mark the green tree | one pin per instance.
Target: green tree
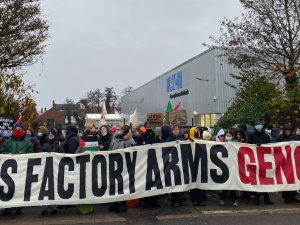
(110, 97)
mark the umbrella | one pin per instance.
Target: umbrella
(235, 126)
(249, 127)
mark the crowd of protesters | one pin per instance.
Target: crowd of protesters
(25, 140)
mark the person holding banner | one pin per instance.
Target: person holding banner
(4, 137)
(18, 144)
(198, 196)
(259, 137)
(232, 193)
(71, 143)
(122, 139)
(52, 144)
(42, 134)
(288, 196)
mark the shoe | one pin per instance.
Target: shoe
(235, 204)
(268, 202)
(6, 212)
(54, 211)
(45, 212)
(287, 200)
(122, 208)
(256, 201)
(293, 199)
(195, 203)
(222, 203)
(18, 212)
(203, 203)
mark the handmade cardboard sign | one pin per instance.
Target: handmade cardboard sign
(90, 122)
(177, 117)
(155, 119)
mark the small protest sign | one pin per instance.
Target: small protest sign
(155, 119)
(177, 117)
(90, 122)
(6, 125)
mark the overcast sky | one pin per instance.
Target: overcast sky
(116, 43)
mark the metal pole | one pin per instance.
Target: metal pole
(124, 120)
(192, 122)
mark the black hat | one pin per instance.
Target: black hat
(258, 122)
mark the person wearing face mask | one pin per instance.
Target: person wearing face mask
(30, 135)
(105, 138)
(4, 137)
(122, 139)
(228, 138)
(18, 144)
(259, 137)
(42, 135)
(198, 196)
(148, 137)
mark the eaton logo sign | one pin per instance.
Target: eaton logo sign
(174, 82)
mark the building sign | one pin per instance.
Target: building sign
(175, 95)
(174, 82)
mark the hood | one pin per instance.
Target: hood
(72, 130)
(206, 136)
(186, 132)
(44, 130)
(221, 133)
(158, 131)
(58, 127)
(192, 136)
(286, 127)
(275, 132)
(127, 135)
(166, 131)
(217, 130)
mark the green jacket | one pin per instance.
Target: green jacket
(22, 146)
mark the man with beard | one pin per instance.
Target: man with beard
(18, 144)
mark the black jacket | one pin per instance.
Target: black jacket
(52, 146)
(36, 145)
(175, 138)
(259, 137)
(59, 135)
(283, 137)
(105, 142)
(43, 139)
(71, 143)
(274, 134)
(147, 139)
(165, 133)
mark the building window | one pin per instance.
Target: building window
(202, 121)
(197, 119)
(213, 120)
(207, 120)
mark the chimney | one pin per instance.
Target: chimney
(45, 109)
(53, 104)
(42, 110)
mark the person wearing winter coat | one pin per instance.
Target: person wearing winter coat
(122, 139)
(220, 137)
(186, 135)
(274, 134)
(18, 144)
(198, 196)
(297, 132)
(158, 132)
(239, 135)
(134, 129)
(42, 134)
(71, 143)
(4, 137)
(105, 138)
(30, 135)
(165, 133)
(148, 137)
(59, 135)
(214, 138)
(288, 196)
(232, 193)
(176, 197)
(206, 136)
(52, 145)
(259, 137)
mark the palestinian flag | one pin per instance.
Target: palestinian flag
(89, 143)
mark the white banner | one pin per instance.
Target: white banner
(110, 176)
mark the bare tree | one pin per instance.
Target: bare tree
(267, 36)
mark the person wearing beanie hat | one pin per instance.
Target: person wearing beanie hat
(3, 138)
(18, 144)
(42, 134)
(206, 136)
(112, 131)
(30, 135)
(105, 138)
(186, 135)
